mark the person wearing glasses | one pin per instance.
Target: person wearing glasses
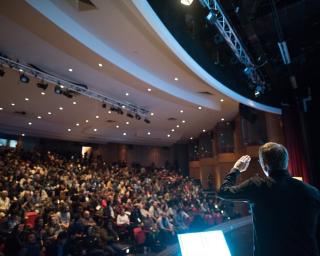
(286, 211)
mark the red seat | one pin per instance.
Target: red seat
(30, 218)
(139, 235)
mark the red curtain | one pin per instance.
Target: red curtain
(294, 143)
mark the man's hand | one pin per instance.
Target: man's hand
(243, 163)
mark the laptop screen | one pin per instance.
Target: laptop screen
(207, 243)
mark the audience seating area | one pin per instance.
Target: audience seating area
(51, 205)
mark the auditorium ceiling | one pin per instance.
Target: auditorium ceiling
(112, 48)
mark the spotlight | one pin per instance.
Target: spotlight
(68, 94)
(112, 108)
(186, 2)
(129, 115)
(104, 105)
(42, 85)
(2, 72)
(24, 79)
(259, 90)
(147, 121)
(138, 117)
(248, 71)
(57, 89)
(212, 16)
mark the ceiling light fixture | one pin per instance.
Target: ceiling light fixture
(191, 138)
(172, 130)
(203, 130)
(178, 126)
(1, 109)
(69, 130)
(151, 114)
(58, 89)
(183, 121)
(186, 2)
(199, 107)
(222, 119)
(181, 111)
(26, 99)
(222, 100)
(149, 90)
(29, 123)
(43, 93)
(13, 104)
(124, 134)
(39, 117)
(77, 124)
(74, 103)
(22, 134)
(168, 135)
(127, 94)
(70, 69)
(117, 126)
(24, 79)
(97, 117)
(87, 121)
(176, 79)
(127, 123)
(109, 112)
(60, 108)
(49, 113)
(149, 133)
(95, 129)
(42, 85)
(100, 65)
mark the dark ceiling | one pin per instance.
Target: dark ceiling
(254, 21)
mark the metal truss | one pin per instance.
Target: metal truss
(219, 19)
(71, 86)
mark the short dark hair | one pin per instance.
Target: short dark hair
(274, 155)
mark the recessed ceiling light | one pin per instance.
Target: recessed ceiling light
(176, 79)
(29, 123)
(70, 70)
(49, 113)
(149, 133)
(127, 94)
(127, 122)
(69, 130)
(12, 104)
(1, 109)
(21, 70)
(181, 111)
(77, 124)
(100, 65)
(183, 121)
(149, 90)
(43, 93)
(74, 103)
(222, 119)
(151, 114)
(87, 121)
(199, 107)
(117, 126)
(168, 135)
(123, 106)
(172, 130)
(178, 126)
(61, 86)
(22, 134)
(60, 108)
(95, 129)
(39, 117)
(97, 117)
(26, 99)
(204, 130)
(109, 112)
(222, 100)
(124, 134)
(191, 138)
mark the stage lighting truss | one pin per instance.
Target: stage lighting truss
(218, 18)
(81, 89)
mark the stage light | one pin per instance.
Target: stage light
(212, 16)
(104, 105)
(259, 90)
(186, 2)
(147, 121)
(24, 79)
(248, 71)
(2, 72)
(42, 85)
(57, 89)
(129, 115)
(138, 117)
(68, 94)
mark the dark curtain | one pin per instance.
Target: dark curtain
(294, 138)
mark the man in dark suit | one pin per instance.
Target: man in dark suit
(285, 210)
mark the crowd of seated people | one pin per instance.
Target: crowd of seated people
(50, 205)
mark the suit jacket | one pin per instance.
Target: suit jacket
(285, 212)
